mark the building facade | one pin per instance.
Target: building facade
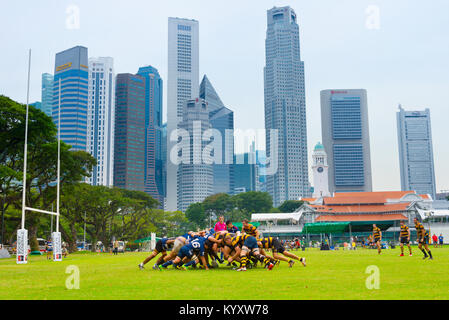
(345, 134)
(47, 93)
(416, 151)
(71, 69)
(245, 170)
(195, 176)
(285, 107)
(182, 85)
(129, 144)
(101, 119)
(154, 176)
(221, 119)
(320, 171)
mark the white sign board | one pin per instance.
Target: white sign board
(22, 246)
(56, 242)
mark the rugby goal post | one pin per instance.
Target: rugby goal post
(22, 234)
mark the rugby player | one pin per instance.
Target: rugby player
(404, 238)
(248, 228)
(377, 234)
(423, 239)
(178, 244)
(186, 254)
(275, 245)
(162, 246)
(247, 244)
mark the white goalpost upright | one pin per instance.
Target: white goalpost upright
(22, 234)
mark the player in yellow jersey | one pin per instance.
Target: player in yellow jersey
(248, 244)
(404, 238)
(377, 234)
(250, 229)
(275, 245)
(422, 238)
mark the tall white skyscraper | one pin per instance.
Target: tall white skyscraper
(195, 176)
(285, 107)
(100, 119)
(416, 151)
(182, 85)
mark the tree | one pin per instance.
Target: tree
(196, 214)
(290, 205)
(218, 204)
(41, 164)
(253, 201)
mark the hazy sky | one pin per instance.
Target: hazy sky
(402, 57)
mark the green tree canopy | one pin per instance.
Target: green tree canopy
(196, 214)
(254, 201)
(290, 205)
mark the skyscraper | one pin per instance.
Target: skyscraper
(245, 170)
(101, 119)
(195, 175)
(129, 144)
(345, 133)
(47, 93)
(285, 106)
(221, 119)
(416, 151)
(182, 85)
(154, 176)
(71, 67)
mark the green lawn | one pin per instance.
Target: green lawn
(328, 275)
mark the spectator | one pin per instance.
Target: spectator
(435, 240)
(440, 238)
(115, 249)
(220, 225)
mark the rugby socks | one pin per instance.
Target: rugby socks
(168, 263)
(430, 254)
(160, 260)
(243, 261)
(424, 251)
(190, 263)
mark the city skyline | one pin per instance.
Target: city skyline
(392, 83)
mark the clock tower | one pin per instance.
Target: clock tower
(320, 172)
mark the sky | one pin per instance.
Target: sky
(397, 50)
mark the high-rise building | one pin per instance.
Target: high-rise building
(245, 170)
(71, 67)
(154, 175)
(261, 181)
(221, 119)
(129, 144)
(345, 134)
(182, 85)
(416, 151)
(195, 175)
(285, 107)
(101, 119)
(47, 94)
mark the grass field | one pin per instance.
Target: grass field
(328, 275)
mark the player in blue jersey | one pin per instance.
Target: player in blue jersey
(162, 245)
(194, 248)
(177, 245)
